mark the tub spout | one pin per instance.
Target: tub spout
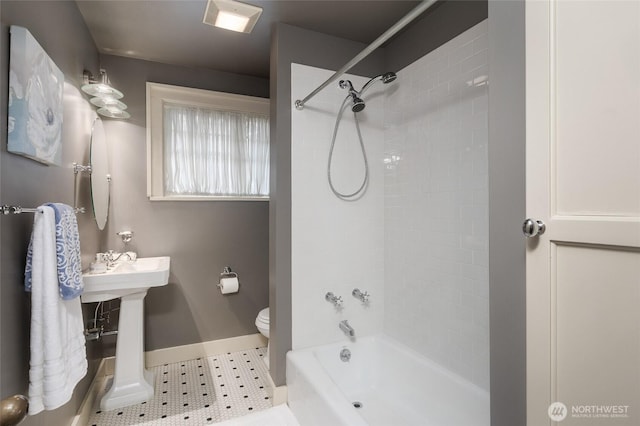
(347, 329)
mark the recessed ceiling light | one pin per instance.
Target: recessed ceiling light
(231, 21)
(232, 15)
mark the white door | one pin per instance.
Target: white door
(583, 182)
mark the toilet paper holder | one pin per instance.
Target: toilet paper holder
(228, 273)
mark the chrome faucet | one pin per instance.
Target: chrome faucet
(363, 296)
(126, 236)
(347, 329)
(111, 257)
(336, 300)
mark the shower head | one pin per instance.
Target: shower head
(357, 103)
(386, 77)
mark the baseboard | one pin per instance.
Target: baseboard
(82, 417)
(168, 356)
(196, 350)
(278, 394)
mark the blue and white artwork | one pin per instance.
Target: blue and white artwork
(36, 88)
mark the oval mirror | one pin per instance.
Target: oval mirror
(100, 178)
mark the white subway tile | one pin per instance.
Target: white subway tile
(480, 43)
(436, 207)
(461, 53)
(476, 61)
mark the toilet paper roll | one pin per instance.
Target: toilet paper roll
(229, 285)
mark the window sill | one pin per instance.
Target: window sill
(208, 198)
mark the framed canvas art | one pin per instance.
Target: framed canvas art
(36, 87)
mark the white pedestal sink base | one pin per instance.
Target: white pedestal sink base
(129, 281)
(124, 396)
(132, 383)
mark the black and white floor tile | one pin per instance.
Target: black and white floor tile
(197, 392)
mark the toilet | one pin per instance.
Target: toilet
(262, 323)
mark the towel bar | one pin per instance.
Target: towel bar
(5, 209)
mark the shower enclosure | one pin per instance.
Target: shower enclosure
(416, 240)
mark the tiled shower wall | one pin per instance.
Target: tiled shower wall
(436, 207)
(336, 245)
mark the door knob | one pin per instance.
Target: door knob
(13, 410)
(532, 228)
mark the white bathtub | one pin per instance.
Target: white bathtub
(394, 385)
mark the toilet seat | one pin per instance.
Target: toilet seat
(262, 322)
(263, 316)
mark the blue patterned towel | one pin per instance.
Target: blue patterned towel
(67, 253)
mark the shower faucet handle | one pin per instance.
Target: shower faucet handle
(336, 300)
(363, 296)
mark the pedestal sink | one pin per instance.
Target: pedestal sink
(132, 383)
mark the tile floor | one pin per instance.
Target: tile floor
(197, 392)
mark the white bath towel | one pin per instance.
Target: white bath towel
(58, 355)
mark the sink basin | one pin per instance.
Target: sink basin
(126, 278)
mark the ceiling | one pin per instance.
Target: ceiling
(172, 32)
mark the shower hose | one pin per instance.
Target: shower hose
(356, 195)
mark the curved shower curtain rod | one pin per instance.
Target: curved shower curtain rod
(417, 11)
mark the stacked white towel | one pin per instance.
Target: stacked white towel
(58, 355)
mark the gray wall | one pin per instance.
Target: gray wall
(60, 30)
(291, 44)
(201, 237)
(506, 212)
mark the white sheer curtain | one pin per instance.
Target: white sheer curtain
(209, 152)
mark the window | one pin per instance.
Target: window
(204, 145)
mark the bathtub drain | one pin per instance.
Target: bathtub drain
(357, 404)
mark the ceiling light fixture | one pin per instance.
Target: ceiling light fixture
(232, 15)
(231, 21)
(107, 102)
(99, 86)
(106, 98)
(113, 112)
